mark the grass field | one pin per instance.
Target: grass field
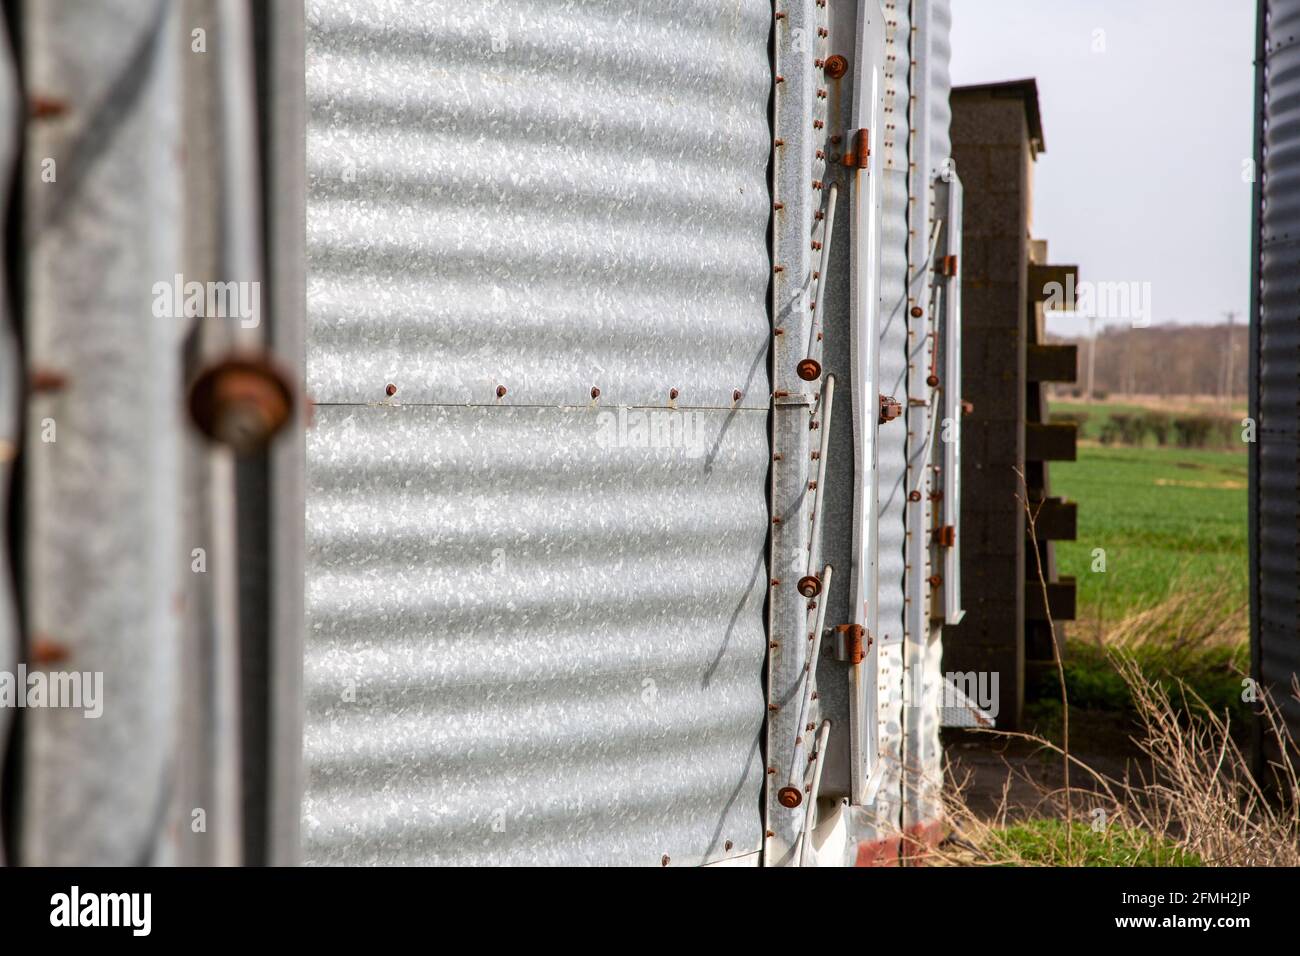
(1169, 520)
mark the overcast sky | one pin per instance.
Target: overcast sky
(1147, 115)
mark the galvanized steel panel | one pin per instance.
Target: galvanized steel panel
(529, 194)
(926, 218)
(528, 645)
(891, 445)
(535, 633)
(799, 173)
(104, 558)
(1278, 385)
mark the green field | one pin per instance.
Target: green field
(1170, 520)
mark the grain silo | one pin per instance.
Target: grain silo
(1275, 360)
(578, 488)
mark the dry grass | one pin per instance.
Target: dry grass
(1195, 799)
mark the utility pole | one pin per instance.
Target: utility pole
(1227, 360)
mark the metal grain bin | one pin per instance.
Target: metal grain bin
(1275, 360)
(537, 340)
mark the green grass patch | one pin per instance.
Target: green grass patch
(1044, 842)
(1169, 521)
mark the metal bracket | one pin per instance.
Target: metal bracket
(851, 643)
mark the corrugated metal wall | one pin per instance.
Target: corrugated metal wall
(891, 448)
(1276, 473)
(923, 649)
(536, 570)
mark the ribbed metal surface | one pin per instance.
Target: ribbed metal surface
(1278, 471)
(922, 757)
(796, 169)
(891, 444)
(528, 194)
(535, 633)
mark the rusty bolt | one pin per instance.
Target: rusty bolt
(932, 380)
(789, 797)
(809, 370)
(913, 495)
(46, 107)
(390, 390)
(810, 586)
(46, 380)
(501, 391)
(45, 650)
(595, 392)
(836, 66)
(240, 401)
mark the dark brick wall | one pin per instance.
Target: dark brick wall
(990, 145)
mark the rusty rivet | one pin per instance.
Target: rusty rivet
(46, 107)
(240, 401)
(769, 834)
(46, 380)
(501, 391)
(917, 312)
(595, 392)
(735, 395)
(390, 390)
(773, 708)
(45, 650)
(664, 860)
(673, 393)
(932, 381)
(778, 142)
(789, 797)
(934, 580)
(913, 496)
(836, 66)
(771, 771)
(728, 845)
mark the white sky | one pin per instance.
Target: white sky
(1142, 179)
